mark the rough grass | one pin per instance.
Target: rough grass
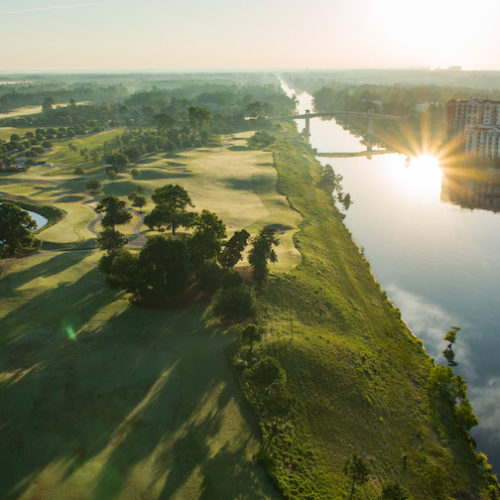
(358, 376)
(99, 399)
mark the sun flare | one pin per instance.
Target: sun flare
(424, 175)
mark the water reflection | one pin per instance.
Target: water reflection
(423, 175)
(470, 188)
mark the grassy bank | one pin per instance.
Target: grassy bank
(359, 379)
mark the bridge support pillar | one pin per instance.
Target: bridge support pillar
(307, 130)
(369, 134)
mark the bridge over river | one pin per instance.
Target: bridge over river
(332, 114)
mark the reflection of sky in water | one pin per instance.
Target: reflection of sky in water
(438, 262)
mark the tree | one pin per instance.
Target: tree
(358, 469)
(47, 104)
(93, 185)
(394, 491)
(235, 304)
(199, 117)
(139, 201)
(165, 268)
(163, 121)
(451, 334)
(451, 338)
(111, 240)
(252, 333)
(206, 241)
(277, 405)
(114, 211)
(117, 160)
(170, 210)
(266, 372)
(262, 251)
(233, 249)
(15, 230)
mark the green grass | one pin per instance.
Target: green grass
(65, 160)
(103, 400)
(358, 376)
(240, 186)
(6, 132)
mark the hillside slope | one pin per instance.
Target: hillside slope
(359, 378)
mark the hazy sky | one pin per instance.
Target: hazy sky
(211, 34)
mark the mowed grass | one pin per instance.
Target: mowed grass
(32, 110)
(103, 400)
(239, 185)
(66, 160)
(232, 181)
(6, 132)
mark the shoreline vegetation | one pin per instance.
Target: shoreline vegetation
(358, 381)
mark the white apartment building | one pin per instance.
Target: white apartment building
(478, 121)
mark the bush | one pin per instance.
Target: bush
(135, 173)
(78, 171)
(92, 185)
(235, 304)
(265, 372)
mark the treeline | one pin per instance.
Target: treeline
(229, 106)
(17, 96)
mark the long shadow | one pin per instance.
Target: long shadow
(91, 382)
(58, 263)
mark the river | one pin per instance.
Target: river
(438, 261)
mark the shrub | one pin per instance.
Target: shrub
(78, 171)
(235, 304)
(93, 185)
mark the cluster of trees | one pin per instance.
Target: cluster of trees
(16, 228)
(35, 94)
(332, 184)
(260, 140)
(451, 389)
(34, 143)
(167, 266)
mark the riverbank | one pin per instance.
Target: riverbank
(359, 379)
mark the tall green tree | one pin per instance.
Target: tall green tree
(262, 252)
(206, 242)
(15, 230)
(170, 210)
(115, 211)
(165, 267)
(233, 249)
(357, 469)
(394, 491)
(111, 240)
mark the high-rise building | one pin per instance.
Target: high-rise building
(477, 122)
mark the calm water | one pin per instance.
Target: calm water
(39, 219)
(439, 262)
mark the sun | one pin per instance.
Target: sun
(424, 174)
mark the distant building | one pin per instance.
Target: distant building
(477, 121)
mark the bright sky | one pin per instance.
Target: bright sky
(218, 34)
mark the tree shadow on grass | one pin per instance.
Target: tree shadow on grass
(100, 386)
(56, 264)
